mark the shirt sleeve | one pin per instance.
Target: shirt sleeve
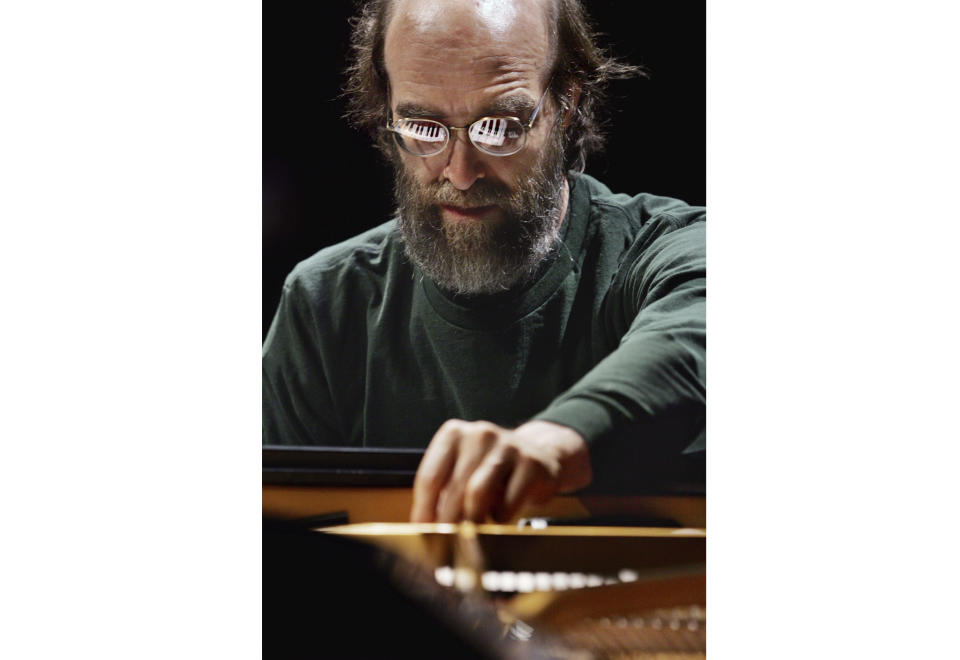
(651, 389)
(297, 405)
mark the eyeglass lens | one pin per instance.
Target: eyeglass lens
(499, 136)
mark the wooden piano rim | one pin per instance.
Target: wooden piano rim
(367, 505)
(490, 529)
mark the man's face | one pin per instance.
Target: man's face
(473, 222)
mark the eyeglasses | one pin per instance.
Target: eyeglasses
(497, 136)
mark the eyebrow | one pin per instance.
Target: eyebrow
(517, 105)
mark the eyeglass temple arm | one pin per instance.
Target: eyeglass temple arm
(536, 111)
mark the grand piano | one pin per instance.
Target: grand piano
(615, 571)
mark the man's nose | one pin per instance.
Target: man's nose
(464, 165)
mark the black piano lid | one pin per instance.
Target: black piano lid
(393, 467)
(340, 466)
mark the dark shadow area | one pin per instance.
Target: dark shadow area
(326, 596)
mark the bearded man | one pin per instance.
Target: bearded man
(516, 318)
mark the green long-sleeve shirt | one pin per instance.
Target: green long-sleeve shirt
(609, 339)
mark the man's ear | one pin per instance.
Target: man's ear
(570, 102)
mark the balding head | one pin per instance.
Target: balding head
(466, 22)
(495, 16)
(431, 43)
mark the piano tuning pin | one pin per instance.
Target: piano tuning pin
(543, 582)
(490, 581)
(627, 575)
(508, 581)
(444, 576)
(561, 581)
(525, 582)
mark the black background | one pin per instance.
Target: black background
(323, 182)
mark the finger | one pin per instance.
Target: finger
(433, 473)
(529, 480)
(450, 502)
(487, 486)
(476, 440)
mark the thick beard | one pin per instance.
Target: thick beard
(474, 258)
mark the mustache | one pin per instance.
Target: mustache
(481, 193)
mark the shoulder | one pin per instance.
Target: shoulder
(638, 213)
(628, 228)
(361, 261)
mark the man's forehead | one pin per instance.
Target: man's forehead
(458, 56)
(497, 16)
(498, 31)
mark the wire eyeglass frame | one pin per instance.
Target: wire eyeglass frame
(447, 130)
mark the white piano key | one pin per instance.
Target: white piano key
(489, 131)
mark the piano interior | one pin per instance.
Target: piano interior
(627, 579)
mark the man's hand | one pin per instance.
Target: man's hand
(472, 470)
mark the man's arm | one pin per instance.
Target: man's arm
(655, 380)
(656, 374)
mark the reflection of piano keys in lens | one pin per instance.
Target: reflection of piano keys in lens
(421, 130)
(491, 132)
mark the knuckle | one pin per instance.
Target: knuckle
(483, 429)
(488, 427)
(449, 426)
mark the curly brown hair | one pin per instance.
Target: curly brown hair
(579, 63)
